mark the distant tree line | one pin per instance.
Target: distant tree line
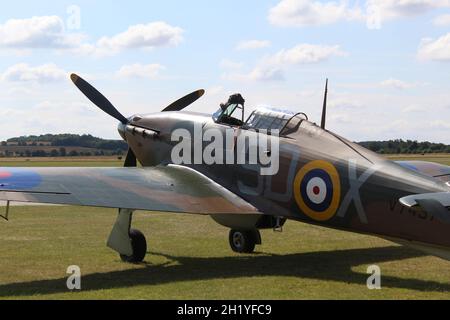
(62, 152)
(405, 147)
(103, 147)
(62, 145)
(71, 140)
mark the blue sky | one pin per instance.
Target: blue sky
(388, 62)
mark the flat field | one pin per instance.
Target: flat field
(189, 258)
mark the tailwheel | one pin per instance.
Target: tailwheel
(244, 241)
(139, 245)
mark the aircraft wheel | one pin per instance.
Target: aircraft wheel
(243, 241)
(139, 245)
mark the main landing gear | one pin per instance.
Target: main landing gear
(244, 241)
(129, 243)
(139, 247)
(132, 246)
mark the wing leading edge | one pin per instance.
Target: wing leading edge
(170, 189)
(431, 169)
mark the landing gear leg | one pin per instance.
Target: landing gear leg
(129, 243)
(244, 241)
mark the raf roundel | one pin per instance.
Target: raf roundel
(317, 190)
(18, 179)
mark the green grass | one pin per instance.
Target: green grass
(189, 258)
(439, 158)
(62, 162)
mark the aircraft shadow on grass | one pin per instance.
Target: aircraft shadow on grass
(326, 265)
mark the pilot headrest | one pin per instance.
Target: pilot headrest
(236, 99)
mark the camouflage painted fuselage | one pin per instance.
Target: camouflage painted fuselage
(362, 188)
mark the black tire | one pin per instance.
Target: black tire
(139, 245)
(243, 241)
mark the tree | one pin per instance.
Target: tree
(62, 152)
(39, 153)
(54, 153)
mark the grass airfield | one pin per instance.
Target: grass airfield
(189, 258)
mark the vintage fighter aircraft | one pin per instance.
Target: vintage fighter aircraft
(322, 179)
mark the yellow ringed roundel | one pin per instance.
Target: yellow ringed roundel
(317, 190)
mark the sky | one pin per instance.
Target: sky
(388, 62)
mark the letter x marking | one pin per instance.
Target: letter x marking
(353, 193)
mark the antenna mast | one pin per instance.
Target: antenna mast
(324, 111)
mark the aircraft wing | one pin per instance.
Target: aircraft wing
(437, 204)
(171, 188)
(431, 169)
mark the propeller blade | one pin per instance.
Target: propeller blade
(97, 98)
(130, 160)
(185, 101)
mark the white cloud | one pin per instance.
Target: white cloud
(48, 32)
(300, 13)
(379, 11)
(142, 36)
(340, 119)
(22, 72)
(403, 8)
(439, 124)
(414, 108)
(253, 44)
(140, 71)
(151, 35)
(271, 68)
(305, 54)
(442, 20)
(52, 109)
(438, 50)
(266, 74)
(36, 32)
(396, 84)
(260, 73)
(344, 103)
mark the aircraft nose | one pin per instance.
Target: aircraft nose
(122, 128)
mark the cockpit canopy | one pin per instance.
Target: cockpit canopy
(264, 118)
(268, 119)
(271, 119)
(227, 115)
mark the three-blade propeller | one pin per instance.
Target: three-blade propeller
(104, 104)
